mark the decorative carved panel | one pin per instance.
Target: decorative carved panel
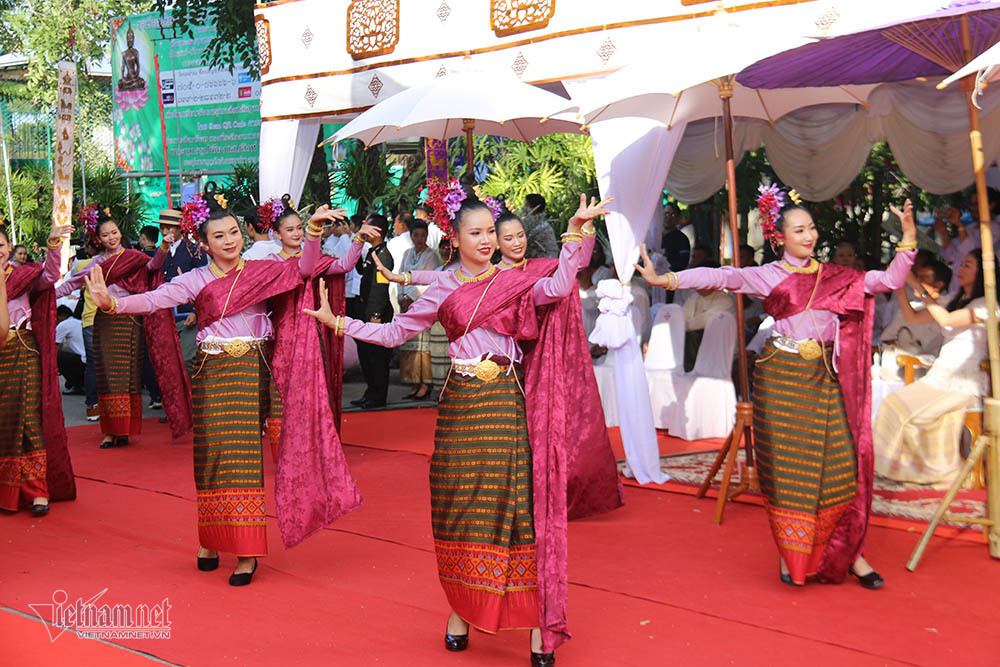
(372, 28)
(509, 17)
(263, 27)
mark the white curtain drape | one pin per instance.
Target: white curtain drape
(818, 150)
(632, 157)
(286, 150)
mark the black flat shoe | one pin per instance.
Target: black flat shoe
(358, 401)
(542, 659)
(208, 564)
(786, 578)
(121, 441)
(108, 444)
(873, 580)
(40, 510)
(456, 642)
(243, 578)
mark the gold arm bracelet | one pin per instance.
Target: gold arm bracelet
(407, 279)
(113, 309)
(588, 233)
(906, 247)
(54, 244)
(571, 237)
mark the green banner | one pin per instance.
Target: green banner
(210, 117)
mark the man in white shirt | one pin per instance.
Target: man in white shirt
(72, 356)
(263, 245)
(397, 247)
(338, 242)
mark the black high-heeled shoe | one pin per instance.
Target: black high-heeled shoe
(108, 444)
(872, 581)
(456, 642)
(243, 578)
(543, 659)
(40, 510)
(208, 564)
(121, 441)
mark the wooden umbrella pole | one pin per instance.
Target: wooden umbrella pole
(744, 409)
(468, 124)
(989, 283)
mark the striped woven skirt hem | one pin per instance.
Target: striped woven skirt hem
(806, 461)
(23, 461)
(118, 346)
(481, 504)
(230, 397)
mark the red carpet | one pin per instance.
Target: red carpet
(651, 584)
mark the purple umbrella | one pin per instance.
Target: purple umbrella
(929, 45)
(932, 45)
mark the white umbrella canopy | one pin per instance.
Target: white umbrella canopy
(986, 66)
(497, 105)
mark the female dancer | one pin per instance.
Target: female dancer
(812, 428)
(119, 339)
(591, 458)
(282, 218)
(312, 484)
(917, 428)
(34, 462)
(498, 505)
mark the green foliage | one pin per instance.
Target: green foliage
(558, 166)
(404, 196)
(243, 188)
(107, 189)
(235, 42)
(365, 175)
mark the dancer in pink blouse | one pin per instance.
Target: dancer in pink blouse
(812, 391)
(498, 505)
(313, 486)
(34, 462)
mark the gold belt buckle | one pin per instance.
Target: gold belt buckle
(236, 348)
(11, 335)
(810, 350)
(487, 370)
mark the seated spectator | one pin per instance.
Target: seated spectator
(954, 251)
(703, 255)
(71, 357)
(917, 428)
(675, 243)
(920, 338)
(698, 310)
(844, 254)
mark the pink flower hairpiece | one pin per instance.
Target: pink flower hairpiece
(193, 216)
(270, 211)
(770, 202)
(88, 220)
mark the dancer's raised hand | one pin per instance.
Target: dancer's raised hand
(386, 273)
(97, 288)
(586, 213)
(906, 221)
(646, 270)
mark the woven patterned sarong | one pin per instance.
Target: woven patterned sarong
(274, 417)
(805, 455)
(118, 345)
(437, 342)
(481, 504)
(22, 450)
(230, 399)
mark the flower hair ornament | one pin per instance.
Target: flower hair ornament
(270, 211)
(446, 197)
(88, 220)
(193, 216)
(770, 201)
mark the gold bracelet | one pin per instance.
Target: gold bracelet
(672, 281)
(591, 232)
(572, 237)
(113, 309)
(407, 279)
(357, 238)
(906, 247)
(338, 325)
(54, 244)
(313, 231)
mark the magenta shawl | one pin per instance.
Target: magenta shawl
(59, 468)
(573, 415)
(508, 308)
(841, 290)
(128, 270)
(313, 486)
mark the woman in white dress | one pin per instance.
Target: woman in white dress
(917, 428)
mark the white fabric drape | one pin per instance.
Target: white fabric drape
(632, 157)
(286, 150)
(818, 150)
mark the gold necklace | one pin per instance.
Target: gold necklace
(219, 273)
(462, 278)
(284, 254)
(515, 265)
(811, 267)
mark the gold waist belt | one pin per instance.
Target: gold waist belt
(233, 348)
(11, 334)
(807, 349)
(485, 370)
